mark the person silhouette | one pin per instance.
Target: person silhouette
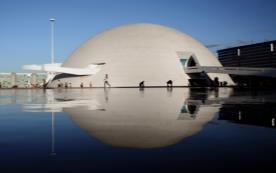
(170, 83)
(141, 84)
(216, 82)
(106, 83)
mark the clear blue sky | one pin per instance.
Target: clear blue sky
(25, 27)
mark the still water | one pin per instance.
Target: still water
(132, 130)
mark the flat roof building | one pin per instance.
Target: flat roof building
(252, 55)
(259, 57)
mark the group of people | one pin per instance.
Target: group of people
(217, 83)
(169, 84)
(141, 84)
(107, 84)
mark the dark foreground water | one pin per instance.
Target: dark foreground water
(129, 130)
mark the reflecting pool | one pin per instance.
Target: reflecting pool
(132, 130)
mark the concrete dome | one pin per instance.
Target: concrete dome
(139, 52)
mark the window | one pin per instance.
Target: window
(271, 47)
(184, 110)
(183, 61)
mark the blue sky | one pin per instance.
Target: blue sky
(25, 27)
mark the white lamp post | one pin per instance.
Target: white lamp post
(52, 20)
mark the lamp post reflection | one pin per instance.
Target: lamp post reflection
(53, 135)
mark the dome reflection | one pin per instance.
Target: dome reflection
(142, 119)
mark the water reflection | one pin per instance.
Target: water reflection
(261, 114)
(246, 107)
(150, 118)
(147, 119)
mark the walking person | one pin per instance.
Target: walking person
(106, 83)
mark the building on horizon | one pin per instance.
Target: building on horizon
(258, 55)
(22, 80)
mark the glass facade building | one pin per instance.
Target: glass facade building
(258, 55)
(254, 55)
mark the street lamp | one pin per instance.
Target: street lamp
(52, 20)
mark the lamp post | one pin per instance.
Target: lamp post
(52, 20)
(51, 75)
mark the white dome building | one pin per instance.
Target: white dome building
(133, 53)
